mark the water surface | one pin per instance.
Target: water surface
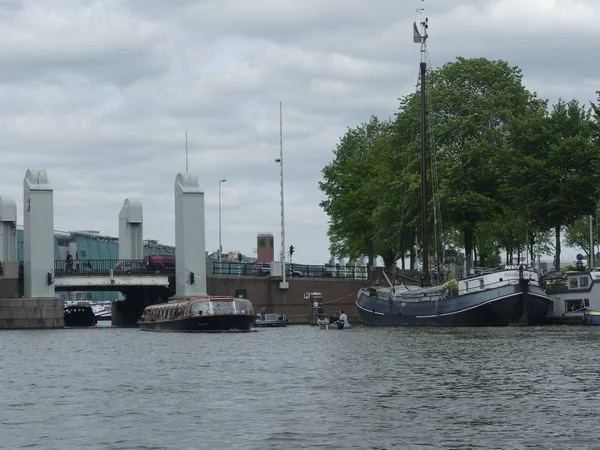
(300, 387)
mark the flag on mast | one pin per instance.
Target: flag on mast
(416, 34)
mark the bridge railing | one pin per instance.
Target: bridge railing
(104, 266)
(230, 268)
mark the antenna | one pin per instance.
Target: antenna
(186, 154)
(422, 33)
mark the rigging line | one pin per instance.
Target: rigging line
(340, 298)
(438, 226)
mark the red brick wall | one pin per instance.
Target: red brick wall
(264, 292)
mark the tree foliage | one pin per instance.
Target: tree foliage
(505, 171)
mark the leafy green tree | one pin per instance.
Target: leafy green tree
(556, 172)
(578, 236)
(350, 198)
(473, 101)
(397, 185)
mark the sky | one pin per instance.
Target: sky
(100, 94)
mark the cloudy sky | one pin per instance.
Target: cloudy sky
(100, 93)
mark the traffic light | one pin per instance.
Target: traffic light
(240, 257)
(192, 278)
(291, 250)
(50, 278)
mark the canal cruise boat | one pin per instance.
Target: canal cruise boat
(206, 313)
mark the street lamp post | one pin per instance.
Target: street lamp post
(220, 247)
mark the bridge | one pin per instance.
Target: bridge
(52, 262)
(117, 274)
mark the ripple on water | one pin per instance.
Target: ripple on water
(300, 387)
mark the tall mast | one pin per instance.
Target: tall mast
(420, 36)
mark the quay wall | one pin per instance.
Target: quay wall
(36, 312)
(264, 292)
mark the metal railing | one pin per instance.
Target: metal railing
(228, 268)
(104, 266)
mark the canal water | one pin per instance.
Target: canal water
(301, 388)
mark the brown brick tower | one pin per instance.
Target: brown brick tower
(264, 245)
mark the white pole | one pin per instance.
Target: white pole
(220, 247)
(282, 255)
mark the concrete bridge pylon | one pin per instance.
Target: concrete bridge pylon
(131, 232)
(190, 247)
(8, 229)
(38, 235)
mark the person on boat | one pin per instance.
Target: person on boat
(334, 318)
(344, 318)
(262, 313)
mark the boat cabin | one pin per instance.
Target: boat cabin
(201, 306)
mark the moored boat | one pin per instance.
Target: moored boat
(79, 314)
(325, 324)
(102, 311)
(510, 295)
(205, 313)
(271, 320)
(572, 293)
(591, 317)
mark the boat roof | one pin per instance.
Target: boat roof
(177, 301)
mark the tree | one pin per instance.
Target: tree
(558, 167)
(396, 186)
(350, 199)
(578, 236)
(473, 101)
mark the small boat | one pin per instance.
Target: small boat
(102, 311)
(206, 313)
(79, 314)
(591, 317)
(271, 320)
(324, 324)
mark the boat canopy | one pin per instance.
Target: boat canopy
(198, 306)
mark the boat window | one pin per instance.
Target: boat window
(573, 283)
(222, 306)
(575, 304)
(199, 306)
(243, 306)
(583, 282)
(271, 317)
(481, 283)
(586, 302)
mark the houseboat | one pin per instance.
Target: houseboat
(206, 313)
(572, 293)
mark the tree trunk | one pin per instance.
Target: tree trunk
(412, 258)
(468, 231)
(530, 247)
(403, 253)
(370, 252)
(518, 255)
(557, 246)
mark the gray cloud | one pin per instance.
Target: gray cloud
(100, 94)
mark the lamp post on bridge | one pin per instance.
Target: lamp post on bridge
(220, 247)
